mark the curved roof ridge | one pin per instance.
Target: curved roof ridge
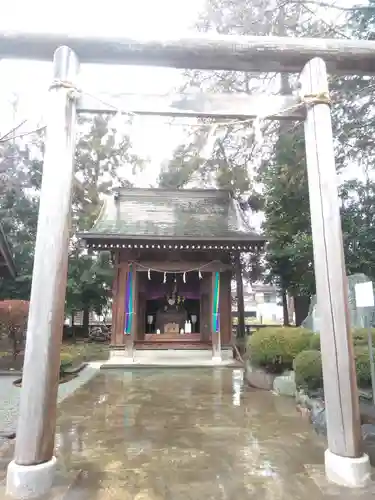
(210, 215)
(244, 225)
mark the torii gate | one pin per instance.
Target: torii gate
(31, 472)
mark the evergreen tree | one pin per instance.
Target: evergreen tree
(21, 174)
(99, 155)
(230, 157)
(358, 218)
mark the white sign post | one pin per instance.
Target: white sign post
(364, 298)
(364, 294)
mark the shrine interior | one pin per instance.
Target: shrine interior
(171, 300)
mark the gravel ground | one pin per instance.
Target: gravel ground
(10, 396)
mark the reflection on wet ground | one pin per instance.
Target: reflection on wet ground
(176, 434)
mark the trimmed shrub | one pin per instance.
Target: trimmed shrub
(360, 336)
(362, 366)
(13, 321)
(66, 361)
(315, 342)
(308, 369)
(274, 348)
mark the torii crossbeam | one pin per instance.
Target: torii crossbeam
(199, 51)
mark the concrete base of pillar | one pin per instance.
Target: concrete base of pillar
(119, 357)
(30, 481)
(216, 359)
(123, 353)
(345, 471)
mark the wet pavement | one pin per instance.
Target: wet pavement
(178, 434)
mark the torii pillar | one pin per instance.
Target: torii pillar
(31, 473)
(345, 462)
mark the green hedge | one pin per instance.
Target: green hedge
(363, 368)
(315, 342)
(359, 336)
(66, 361)
(274, 348)
(308, 368)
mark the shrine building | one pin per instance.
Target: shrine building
(173, 252)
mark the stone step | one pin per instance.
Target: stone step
(169, 357)
(180, 354)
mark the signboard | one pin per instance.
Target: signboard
(364, 297)
(364, 294)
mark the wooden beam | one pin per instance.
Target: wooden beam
(340, 388)
(37, 417)
(100, 242)
(200, 105)
(198, 51)
(180, 267)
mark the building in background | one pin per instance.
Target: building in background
(263, 304)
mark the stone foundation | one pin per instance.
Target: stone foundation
(30, 481)
(258, 378)
(346, 471)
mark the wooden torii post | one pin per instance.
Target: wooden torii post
(31, 471)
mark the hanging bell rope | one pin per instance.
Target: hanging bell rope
(149, 274)
(165, 277)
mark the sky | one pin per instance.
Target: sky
(152, 137)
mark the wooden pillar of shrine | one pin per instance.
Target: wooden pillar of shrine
(215, 317)
(118, 304)
(115, 301)
(205, 308)
(130, 306)
(124, 308)
(225, 308)
(141, 314)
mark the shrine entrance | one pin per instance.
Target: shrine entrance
(171, 304)
(173, 309)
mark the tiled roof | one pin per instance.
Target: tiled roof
(172, 214)
(7, 267)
